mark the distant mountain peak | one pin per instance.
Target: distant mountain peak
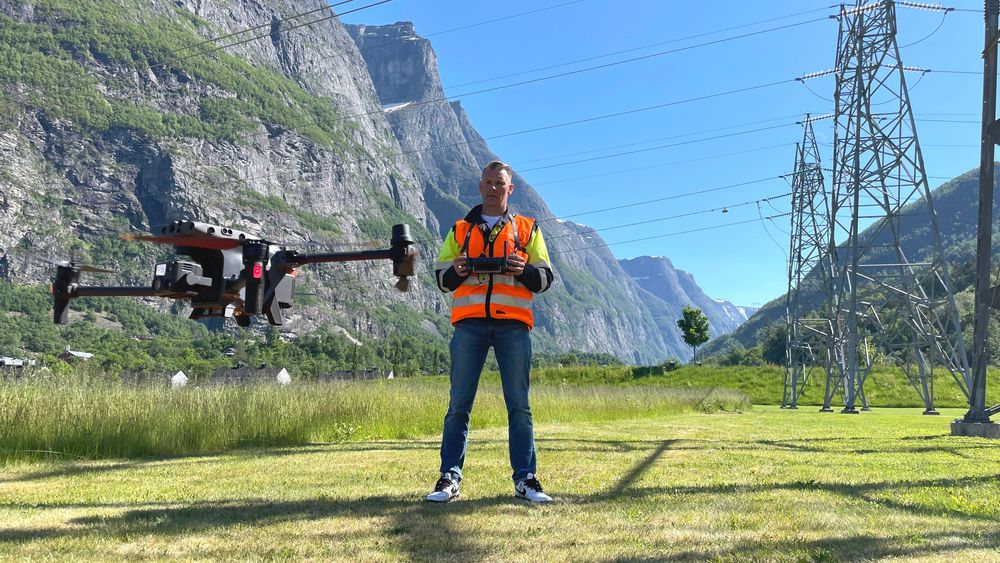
(678, 289)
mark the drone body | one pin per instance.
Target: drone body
(230, 273)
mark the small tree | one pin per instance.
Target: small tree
(694, 328)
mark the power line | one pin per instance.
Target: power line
(662, 164)
(723, 209)
(677, 233)
(658, 139)
(256, 37)
(666, 198)
(622, 52)
(658, 147)
(929, 35)
(596, 67)
(495, 20)
(471, 25)
(255, 28)
(630, 112)
(569, 123)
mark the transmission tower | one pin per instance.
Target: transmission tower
(886, 301)
(807, 335)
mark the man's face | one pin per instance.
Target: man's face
(495, 187)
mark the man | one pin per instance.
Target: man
(492, 309)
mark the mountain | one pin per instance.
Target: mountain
(956, 206)
(117, 117)
(678, 289)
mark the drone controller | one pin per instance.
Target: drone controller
(487, 265)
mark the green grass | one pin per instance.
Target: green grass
(108, 420)
(886, 387)
(764, 485)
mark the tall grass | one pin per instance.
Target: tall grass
(98, 420)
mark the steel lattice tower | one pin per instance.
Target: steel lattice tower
(885, 301)
(807, 338)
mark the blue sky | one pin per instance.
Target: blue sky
(744, 262)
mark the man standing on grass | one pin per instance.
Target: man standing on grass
(492, 307)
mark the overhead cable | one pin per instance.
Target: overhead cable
(721, 208)
(677, 233)
(262, 36)
(658, 139)
(658, 147)
(591, 68)
(255, 28)
(633, 49)
(661, 165)
(665, 198)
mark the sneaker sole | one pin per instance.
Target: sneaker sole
(523, 497)
(449, 499)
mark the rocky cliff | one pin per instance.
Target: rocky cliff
(119, 128)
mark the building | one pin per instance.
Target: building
(71, 355)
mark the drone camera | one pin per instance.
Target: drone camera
(180, 276)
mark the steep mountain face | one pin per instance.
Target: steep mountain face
(678, 289)
(595, 306)
(116, 130)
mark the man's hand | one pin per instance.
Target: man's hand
(461, 265)
(515, 264)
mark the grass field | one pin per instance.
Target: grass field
(760, 485)
(45, 418)
(887, 386)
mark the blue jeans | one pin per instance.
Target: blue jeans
(512, 347)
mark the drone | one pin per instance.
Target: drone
(230, 273)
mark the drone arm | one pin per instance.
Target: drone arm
(62, 295)
(301, 259)
(403, 254)
(114, 291)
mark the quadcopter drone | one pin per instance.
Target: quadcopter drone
(230, 274)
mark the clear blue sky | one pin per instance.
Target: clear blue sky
(744, 263)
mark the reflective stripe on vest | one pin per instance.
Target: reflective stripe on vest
(494, 296)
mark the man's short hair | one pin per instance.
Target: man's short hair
(499, 165)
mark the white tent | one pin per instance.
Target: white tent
(178, 380)
(283, 378)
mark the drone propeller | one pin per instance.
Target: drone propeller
(80, 267)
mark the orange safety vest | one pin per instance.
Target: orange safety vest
(493, 296)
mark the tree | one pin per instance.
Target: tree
(774, 343)
(694, 328)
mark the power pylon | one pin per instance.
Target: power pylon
(810, 275)
(885, 301)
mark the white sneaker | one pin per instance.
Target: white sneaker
(446, 488)
(531, 489)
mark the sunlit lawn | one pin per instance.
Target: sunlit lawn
(762, 485)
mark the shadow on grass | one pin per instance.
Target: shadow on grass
(423, 530)
(848, 548)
